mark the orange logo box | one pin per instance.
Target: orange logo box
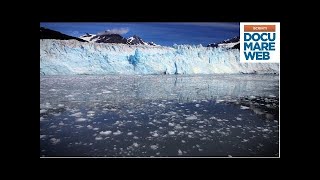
(259, 28)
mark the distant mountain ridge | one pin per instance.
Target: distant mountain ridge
(51, 34)
(233, 43)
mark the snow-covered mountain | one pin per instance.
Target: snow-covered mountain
(87, 37)
(233, 43)
(134, 40)
(115, 38)
(58, 57)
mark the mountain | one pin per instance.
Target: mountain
(134, 40)
(73, 57)
(51, 34)
(87, 36)
(233, 43)
(109, 38)
(115, 38)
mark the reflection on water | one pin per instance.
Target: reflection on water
(204, 115)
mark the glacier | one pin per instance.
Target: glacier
(71, 57)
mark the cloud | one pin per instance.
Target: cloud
(115, 31)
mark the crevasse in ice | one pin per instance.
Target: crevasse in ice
(62, 57)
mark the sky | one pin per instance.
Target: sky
(161, 33)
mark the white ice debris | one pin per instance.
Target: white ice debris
(89, 127)
(61, 123)
(245, 140)
(129, 133)
(179, 152)
(244, 107)
(135, 144)
(192, 117)
(54, 141)
(155, 134)
(171, 132)
(197, 105)
(105, 133)
(238, 118)
(81, 119)
(78, 114)
(60, 105)
(95, 129)
(117, 132)
(42, 136)
(98, 138)
(154, 147)
(171, 124)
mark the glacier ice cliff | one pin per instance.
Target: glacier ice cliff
(64, 57)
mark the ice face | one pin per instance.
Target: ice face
(152, 115)
(60, 57)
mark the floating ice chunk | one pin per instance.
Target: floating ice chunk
(179, 152)
(178, 126)
(81, 119)
(244, 107)
(106, 92)
(272, 96)
(61, 123)
(245, 140)
(171, 132)
(229, 155)
(171, 124)
(192, 117)
(78, 114)
(162, 105)
(154, 147)
(42, 136)
(265, 130)
(117, 132)
(98, 138)
(197, 131)
(189, 136)
(41, 118)
(155, 134)
(183, 141)
(200, 126)
(60, 105)
(89, 127)
(54, 141)
(135, 137)
(252, 97)
(197, 105)
(130, 134)
(213, 131)
(43, 111)
(53, 126)
(135, 144)
(239, 118)
(90, 112)
(95, 129)
(219, 101)
(105, 133)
